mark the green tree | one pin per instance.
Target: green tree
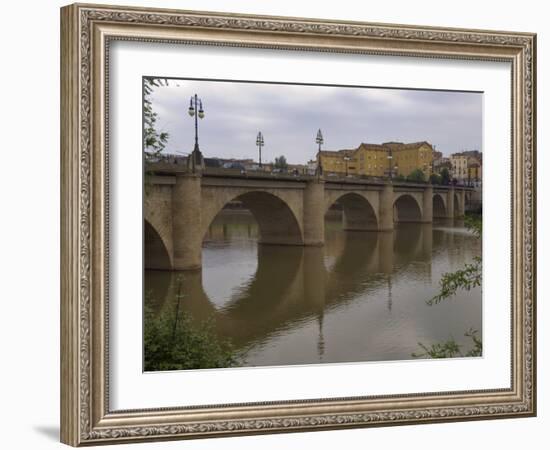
(445, 176)
(154, 141)
(416, 176)
(399, 178)
(280, 163)
(173, 340)
(435, 178)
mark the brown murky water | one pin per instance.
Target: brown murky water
(361, 297)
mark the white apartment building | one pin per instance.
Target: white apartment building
(459, 165)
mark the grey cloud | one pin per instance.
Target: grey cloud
(290, 115)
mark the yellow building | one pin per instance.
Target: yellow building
(340, 162)
(474, 169)
(378, 159)
(372, 160)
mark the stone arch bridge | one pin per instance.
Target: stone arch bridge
(180, 206)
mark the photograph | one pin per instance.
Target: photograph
(299, 224)
(278, 222)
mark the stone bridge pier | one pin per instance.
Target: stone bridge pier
(179, 208)
(187, 234)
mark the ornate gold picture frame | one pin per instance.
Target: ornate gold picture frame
(87, 32)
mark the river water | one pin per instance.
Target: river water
(361, 297)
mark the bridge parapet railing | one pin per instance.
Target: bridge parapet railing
(171, 168)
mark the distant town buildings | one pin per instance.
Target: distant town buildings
(376, 160)
(379, 160)
(463, 167)
(440, 163)
(467, 167)
(242, 164)
(459, 165)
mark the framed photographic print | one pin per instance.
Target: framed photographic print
(276, 224)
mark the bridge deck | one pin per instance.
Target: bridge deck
(167, 169)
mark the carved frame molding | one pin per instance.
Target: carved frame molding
(86, 32)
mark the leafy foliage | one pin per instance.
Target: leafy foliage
(174, 341)
(478, 346)
(466, 278)
(445, 177)
(450, 348)
(154, 141)
(474, 224)
(280, 162)
(416, 176)
(435, 178)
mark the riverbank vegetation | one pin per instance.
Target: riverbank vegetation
(173, 340)
(466, 278)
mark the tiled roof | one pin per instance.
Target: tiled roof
(330, 153)
(400, 145)
(344, 152)
(368, 146)
(394, 146)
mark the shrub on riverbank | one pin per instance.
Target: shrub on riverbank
(174, 341)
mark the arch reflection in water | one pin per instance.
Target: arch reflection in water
(361, 297)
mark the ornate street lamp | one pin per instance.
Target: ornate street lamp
(196, 110)
(346, 158)
(319, 140)
(260, 143)
(390, 157)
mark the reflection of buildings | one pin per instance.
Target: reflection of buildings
(378, 159)
(231, 226)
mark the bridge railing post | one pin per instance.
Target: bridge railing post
(186, 218)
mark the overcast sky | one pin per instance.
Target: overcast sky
(290, 115)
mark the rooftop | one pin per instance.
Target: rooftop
(385, 146)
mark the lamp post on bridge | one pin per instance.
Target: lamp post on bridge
(390, 168)
(196, 110)
(346, 159)
(260, 143)
(319, 140)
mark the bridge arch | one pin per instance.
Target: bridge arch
(158, 228)
(358, 212)
(439, 207)
(156, 253)
(277, 220)
(407, 209)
